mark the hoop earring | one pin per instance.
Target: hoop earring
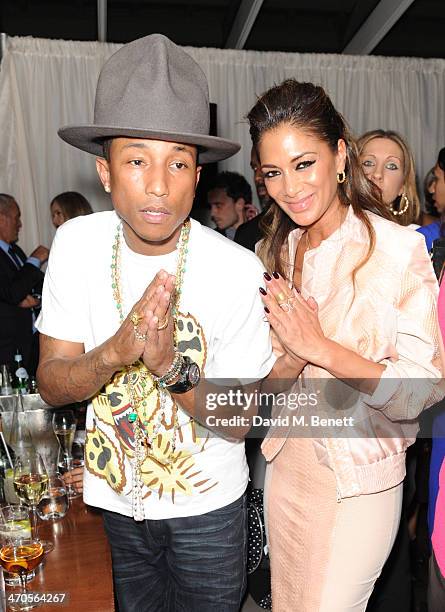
(404, 205)
(341, 177)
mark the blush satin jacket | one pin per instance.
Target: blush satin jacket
(389, 315)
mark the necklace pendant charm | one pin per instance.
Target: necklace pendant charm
(132, 417)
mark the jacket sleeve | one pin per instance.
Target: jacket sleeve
(413, 381)
(14, 291)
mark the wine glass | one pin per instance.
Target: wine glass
(14, 525)
(30, 482)
(64, 426)
(20, 557)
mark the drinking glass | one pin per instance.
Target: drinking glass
(64, 426)
(54, 503)
(14, 525)
(30, 482)
(20, 557)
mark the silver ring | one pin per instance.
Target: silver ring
(287, 305)
(139, 336)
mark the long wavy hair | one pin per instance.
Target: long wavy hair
(307, 107)
(409, 174)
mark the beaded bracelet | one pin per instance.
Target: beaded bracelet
(172, 373)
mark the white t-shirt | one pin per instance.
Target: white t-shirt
(221, 328)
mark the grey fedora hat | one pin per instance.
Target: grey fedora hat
(151, 88)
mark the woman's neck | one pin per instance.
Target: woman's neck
(326, 225)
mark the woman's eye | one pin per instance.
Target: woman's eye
(367, 163)
(270, 174)
(304, 164)
(392, 166)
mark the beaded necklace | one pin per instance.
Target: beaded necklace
(143, 441)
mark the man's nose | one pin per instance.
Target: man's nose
(156, 183)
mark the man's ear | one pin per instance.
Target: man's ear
(198, 175)
(103, 170)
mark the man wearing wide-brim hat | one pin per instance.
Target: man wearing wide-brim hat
(150, 303)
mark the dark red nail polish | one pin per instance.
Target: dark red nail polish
(267, 276)
(297, 290)
(266, 310)
(276, 275)
(263, 291)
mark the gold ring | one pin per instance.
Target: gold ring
(163, 325)
(283, 299)
(136, 318)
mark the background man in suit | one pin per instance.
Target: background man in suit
(228, 200)
(20, 281)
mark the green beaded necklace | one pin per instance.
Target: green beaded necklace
(142, 440)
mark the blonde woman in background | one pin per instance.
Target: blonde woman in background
(389, 164)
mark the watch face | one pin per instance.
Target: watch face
(194, 374)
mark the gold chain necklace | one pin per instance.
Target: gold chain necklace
(143, 441)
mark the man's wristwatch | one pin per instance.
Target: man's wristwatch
(188, 377)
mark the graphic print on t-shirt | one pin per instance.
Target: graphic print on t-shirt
(105, 459)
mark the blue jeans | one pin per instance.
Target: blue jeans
(188, 564)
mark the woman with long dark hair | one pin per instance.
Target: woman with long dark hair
(351, 312)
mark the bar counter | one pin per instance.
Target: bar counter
(79, 565)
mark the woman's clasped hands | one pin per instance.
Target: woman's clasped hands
(294, 319)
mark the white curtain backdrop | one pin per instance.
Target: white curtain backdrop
(45, 84)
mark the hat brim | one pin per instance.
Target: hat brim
(90, 138)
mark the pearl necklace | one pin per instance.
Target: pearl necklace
(143, 441)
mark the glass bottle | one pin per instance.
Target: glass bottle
(21, 375)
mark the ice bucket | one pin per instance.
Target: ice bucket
(38, 416)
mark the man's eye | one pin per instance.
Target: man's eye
(179, 165)
(136, 162)
(304, 164)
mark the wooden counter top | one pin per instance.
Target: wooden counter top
(79, 565)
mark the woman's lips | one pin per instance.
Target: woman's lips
(300, 205)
